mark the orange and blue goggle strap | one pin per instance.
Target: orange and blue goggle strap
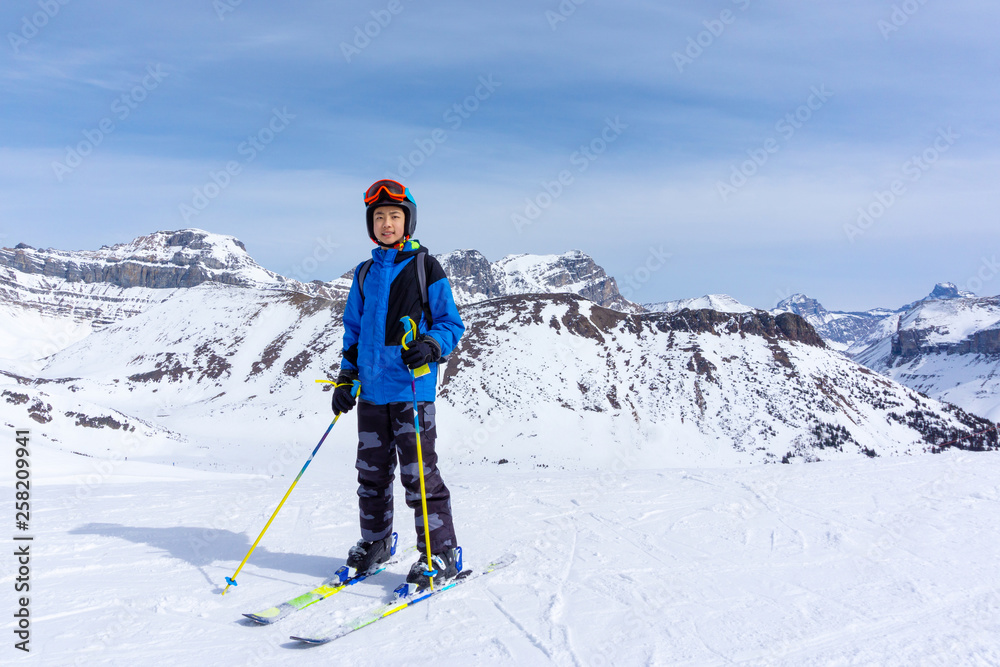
(393, 189)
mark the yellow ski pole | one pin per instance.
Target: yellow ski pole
(411, 330)
(231, 581)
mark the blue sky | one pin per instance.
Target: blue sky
(704, 147)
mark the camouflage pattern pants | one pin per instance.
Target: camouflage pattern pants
(385, 433)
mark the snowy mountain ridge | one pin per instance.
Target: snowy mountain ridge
(215, 373)
(948, 349)
(955, 324)
(848, 332)
(853, 331)
(215, 377)
(183, 258)
(941, 292)
(722, 303)
(944, 344)
(474, 278)
(51, 298)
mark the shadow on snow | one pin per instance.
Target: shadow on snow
(202, 547)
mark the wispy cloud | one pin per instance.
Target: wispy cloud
(355, 119)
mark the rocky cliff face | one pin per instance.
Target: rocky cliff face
(784, 326)
(948, 349)
(967, 326)
(848, 332)
(164, 260)
(474, 278)
(986, 341)
(52, 298)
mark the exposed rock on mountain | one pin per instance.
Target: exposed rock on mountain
(853, 332)
(848, 332)
(949, 349)
(163, 260)
(474, 278)
(211, 370)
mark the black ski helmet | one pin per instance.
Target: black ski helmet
(387, 192)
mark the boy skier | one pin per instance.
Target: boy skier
(401, 281)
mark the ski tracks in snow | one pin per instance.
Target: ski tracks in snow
(532, 637)
(559, 649)
(555, 613)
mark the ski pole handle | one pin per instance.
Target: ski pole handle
(410, 329)
(355, 392)
(355, 385)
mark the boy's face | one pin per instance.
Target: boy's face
(389, 223)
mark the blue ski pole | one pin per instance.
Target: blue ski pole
(231, 581)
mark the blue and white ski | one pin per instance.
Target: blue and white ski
(403, 598)
(338, 582)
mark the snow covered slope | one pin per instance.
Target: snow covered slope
(888, 562)
(948, 349)
(50, 299)
(219, 372)
(41, 314)
(228, 367)
(538, 380)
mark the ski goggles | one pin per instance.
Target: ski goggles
(393, 190)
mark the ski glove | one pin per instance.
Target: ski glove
(343, 401)
(423, 350)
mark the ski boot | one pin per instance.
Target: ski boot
(364, 557)
(447, 565)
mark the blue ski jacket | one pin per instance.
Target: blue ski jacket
(373, 332)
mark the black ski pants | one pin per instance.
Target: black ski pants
(385, 434)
